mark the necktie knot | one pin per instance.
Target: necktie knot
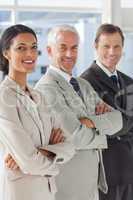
(75, 85)
(114, 79)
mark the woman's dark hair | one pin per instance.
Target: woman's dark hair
(109, 29)
(6, 40)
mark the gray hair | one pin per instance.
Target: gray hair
(52, 34)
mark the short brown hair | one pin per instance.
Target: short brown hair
(109, 29)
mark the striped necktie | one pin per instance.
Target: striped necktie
(75, 85)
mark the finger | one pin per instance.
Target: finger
(15, 167)
(104, 109)
(59, 132)
(7, 158)
(55, 138)
(10, 164)
(13, 164)
(53, 133)
(99, 109)
(107, 108)
(58, 137)
(62, 139)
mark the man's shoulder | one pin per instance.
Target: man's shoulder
(125, 77)
(84, 84)
(89, 72)
(47, 78)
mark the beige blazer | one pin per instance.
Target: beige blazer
(21, 132)
(79, 178)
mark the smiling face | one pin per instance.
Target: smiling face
(22, 54)
(109, 49)
(63, 52)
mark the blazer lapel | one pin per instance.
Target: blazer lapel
(32, 110)
(28, 104)
(100, 74)
(66, 89)
(123, 91)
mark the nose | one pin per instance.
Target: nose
(111, 51)
(31, 52)
(68, 53)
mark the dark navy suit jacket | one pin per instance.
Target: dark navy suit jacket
(118, 158)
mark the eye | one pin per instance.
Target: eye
(21, 48)
(117, 47)
(106, 46)
(35, 47)
(62, 48)
(75, 48)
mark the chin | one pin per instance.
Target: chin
(29, 69)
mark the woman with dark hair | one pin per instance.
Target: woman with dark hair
(26, 134)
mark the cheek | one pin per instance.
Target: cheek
(58, 56)
(102, 54)
(15, 62)
(76, 55)
(120, 53)
(35, 57)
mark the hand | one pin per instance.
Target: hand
(11, 163)
(87, 122)
(56, 136)
(102, 108)
(46, 153)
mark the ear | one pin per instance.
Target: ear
(49, 51)
(96, 45)
(6, 54)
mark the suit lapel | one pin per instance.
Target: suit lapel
(101, 75)
(55, 77)
(32, 110)
(65, 88)
(123, 90)
(103, 78)
(28, 104)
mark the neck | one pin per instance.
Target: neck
(19, 78)
(66, 71)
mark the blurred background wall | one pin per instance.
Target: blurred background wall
(85, 15)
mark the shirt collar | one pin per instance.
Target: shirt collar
(105, 69)
(66, 76)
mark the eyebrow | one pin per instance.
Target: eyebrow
(72, 46)
(25, 44)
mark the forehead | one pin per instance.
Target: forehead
(112, 38)
(67, 37)
(25, 38)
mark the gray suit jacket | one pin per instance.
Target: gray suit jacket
(21, 133)
(68, 107)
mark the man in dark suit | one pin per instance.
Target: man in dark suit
(116, 89)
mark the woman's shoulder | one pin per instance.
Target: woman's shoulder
(8, 99)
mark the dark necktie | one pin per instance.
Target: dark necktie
(114, 80)
(75, 85)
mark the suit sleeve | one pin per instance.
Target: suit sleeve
(127, 128)
(108, 123)
(18, 143)
(81, 136)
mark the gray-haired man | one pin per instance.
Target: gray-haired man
(78, 179)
